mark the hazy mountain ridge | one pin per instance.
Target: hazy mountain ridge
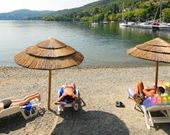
(24, 14)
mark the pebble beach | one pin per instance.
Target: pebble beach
(99, 89)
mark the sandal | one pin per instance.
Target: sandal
(119, 104)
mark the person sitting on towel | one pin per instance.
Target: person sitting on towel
(68, 94)
(6, 103)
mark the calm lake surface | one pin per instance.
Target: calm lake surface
(101, 45)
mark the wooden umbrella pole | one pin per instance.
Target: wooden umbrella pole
(49, 89)
(156, 76)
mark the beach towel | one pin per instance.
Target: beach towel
(131, 92)
(156, 101)
(28, 106)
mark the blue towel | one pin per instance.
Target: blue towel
(28, 106)
(61, 91)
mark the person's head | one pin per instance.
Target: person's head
(69, 98)
(160, 90)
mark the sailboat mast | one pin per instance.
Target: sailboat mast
(160, 11)
(122, 12)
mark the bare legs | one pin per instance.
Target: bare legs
(1, 106)
(72, 85)
(23, 101)
(140, 88)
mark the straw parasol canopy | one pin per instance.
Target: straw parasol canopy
(154, 50)
(49, 55)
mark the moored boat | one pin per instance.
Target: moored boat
(145, 25)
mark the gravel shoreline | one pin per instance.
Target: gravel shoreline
(99, 88)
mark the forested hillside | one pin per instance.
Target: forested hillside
(116, 10)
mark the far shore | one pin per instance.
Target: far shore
(100, 88)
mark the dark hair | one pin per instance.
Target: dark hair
(161, 90)
(69, 98)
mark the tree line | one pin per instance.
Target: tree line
(116, 10)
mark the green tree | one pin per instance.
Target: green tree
(110, 17)
(118, 17)
(96, 11)
(140, 15)
(166, 14)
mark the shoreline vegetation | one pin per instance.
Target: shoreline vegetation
(99, 88)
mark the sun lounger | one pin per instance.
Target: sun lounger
(156, 109)
(131, 92)
(63, 102)
(150, 119)
(28, 111)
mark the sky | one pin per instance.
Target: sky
(10, 5)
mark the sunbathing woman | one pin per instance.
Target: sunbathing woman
(18, 102)
(149, 92)
(143, 93)
(68, 94)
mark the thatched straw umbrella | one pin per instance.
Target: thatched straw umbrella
(154, 50)
(49, 55)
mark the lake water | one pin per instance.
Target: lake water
(101, 45)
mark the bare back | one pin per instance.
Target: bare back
(69, 91)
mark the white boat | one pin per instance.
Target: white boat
(161, 26)
(127, 24)
(104, 22)
(94, 24)
(157, 23)
(131, 24)
(154, 26)
(123, 24)
(145, 25)
(164, 26)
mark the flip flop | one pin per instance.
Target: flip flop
(119, 104)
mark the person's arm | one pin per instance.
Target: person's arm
(58, 100)
(150, 88)
(149, 93)
(77, 99)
